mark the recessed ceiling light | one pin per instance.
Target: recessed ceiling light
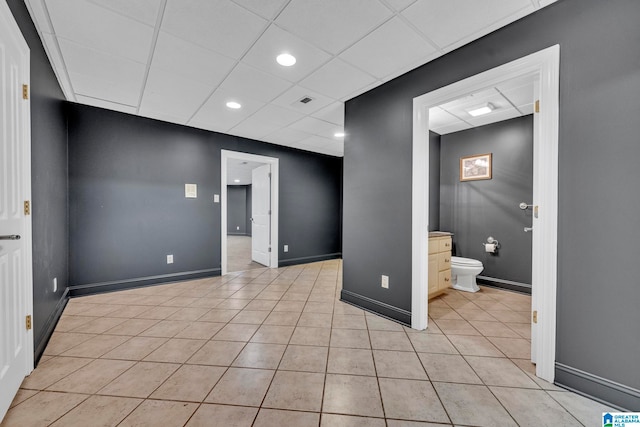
(339, 134)
(286, 60)
(234, 105)
(236, 180)
(480, 111)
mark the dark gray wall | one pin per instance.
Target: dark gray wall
(598, 292)
(475, 210)
(249, 211)
(128, 210)
(237, 209)
(49, 188)
(434, 181)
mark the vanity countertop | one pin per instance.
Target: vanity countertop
(439, 234)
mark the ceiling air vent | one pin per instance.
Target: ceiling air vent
(306, 99)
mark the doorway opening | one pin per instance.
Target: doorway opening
(544, 67)
(249, 235)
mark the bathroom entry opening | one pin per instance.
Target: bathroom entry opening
(544, 66)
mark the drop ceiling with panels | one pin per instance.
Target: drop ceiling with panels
(510, 99)
(181, 60)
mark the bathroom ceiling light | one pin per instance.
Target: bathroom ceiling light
(480, 111)
(339, 134)
(286, 59)
(234, 105)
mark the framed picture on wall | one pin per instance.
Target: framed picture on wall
(475, 167)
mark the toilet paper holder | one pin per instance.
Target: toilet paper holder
(492, 245)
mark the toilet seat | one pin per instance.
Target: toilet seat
(468, 262)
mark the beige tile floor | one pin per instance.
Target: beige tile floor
(278, 348)
(239, 254)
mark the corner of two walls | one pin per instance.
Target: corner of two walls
(475, 210)
(128, 210)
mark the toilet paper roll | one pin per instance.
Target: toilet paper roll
(490, 247)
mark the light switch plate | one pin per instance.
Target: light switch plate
(190, 191)
(169, 259)
(216, 198)
(286, 248)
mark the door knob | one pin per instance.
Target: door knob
(10, 237)
(528, 229)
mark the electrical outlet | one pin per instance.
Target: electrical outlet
(286, 248)
(55, 284)
(237, 227)
(216, 198)
(169, 259)
(385, 282)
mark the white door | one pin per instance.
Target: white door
(16, 342)
(261, 214)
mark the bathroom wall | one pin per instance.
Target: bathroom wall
(49, 185)
(474, 210)
(237, 209)
(434, 181)
(597, 342)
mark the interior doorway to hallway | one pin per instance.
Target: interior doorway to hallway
(249, 206)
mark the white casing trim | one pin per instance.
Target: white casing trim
(275, 185)
(545, 65)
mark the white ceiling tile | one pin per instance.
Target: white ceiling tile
(106, 104)
(323, 145)
(103, 76)
(101, 29)
(165, 116)
(265, 8)
(526, 109)
(316, 127)
(189, 60)
(399, 5)
(288, 136)
(390, 47)
(411, 66)
(454, 127)
(361, 90)
(249, 82)
(291, 99)
(219, 25)
(277, 115)
(495, 116)
(519, 96)
(333, 113)
(171, 94)
(254, 128)
(439, 117)
(215, 115)
(145, 11)
(58, 65)
(276, 41)
(454, 21)
(337, 79)
(332, 24)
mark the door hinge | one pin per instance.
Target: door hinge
(537, 107)
(27, 207)
(534, 316)
(269, 211)
(25, 91)
(28, 323)
(269, 248)
(269, 174)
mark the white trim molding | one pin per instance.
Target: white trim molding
(545, 67)
(275, 185)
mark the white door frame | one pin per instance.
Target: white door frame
(545, 65)
(8, 22)
(226, 154)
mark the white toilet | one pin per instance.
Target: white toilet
(464, 272)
